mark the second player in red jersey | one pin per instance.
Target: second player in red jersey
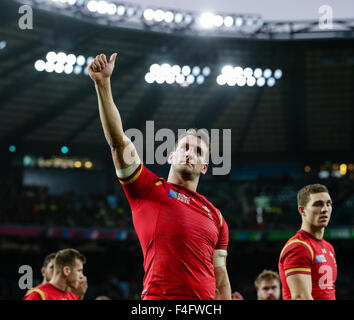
(68, 272)
(307, 263)
(183, 236)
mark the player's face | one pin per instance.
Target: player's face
(190, 156)
(269, 290)
(76, 274)
(48, 273)
(318, 210)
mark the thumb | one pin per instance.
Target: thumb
(113, 57)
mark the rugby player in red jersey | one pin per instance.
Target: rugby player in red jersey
(68, 272)
(307, 263)
(183, 236)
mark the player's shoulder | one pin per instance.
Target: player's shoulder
(298, 242)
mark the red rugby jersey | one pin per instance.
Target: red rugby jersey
(48, 292)
(178, 230)
(305, 254)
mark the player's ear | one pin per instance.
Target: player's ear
(43, 271)
(66, 270)
(301, 210)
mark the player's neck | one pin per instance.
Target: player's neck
(59, 282)
(315, 232)
(174, 177)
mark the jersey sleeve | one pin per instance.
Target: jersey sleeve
(296, 259)
(32, 296)
(223, 239)
(137, 185)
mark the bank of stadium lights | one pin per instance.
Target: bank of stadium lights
(182, 75)
(58, 162)
(208, 20)
(63, 63)
(171, 18)
(239, 76)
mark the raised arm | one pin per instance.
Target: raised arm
(300, 286)
(123, 150)
(223, 287)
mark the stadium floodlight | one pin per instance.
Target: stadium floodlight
(241, 81)
(51, 57)
(159, 15)
(267, 73)
(206, 71)
(251, 81)
(169, 16)
(200, 79)
(92, 6)
(190, 79)
(111, 9)
(39, 65)
(71, 59)
(12, 148)
(160, 78)
(238, 21)
(178, 18)
(149, 77)
(247, 72)
(228, 21)
(188, 19)
(206, 20)
(238, 71)
(102, 7)
(3, 44)
(196, 71)
(260, 82)
(71, 2)
(120, 10)
(218, 21)
(271, 82)
(231, 81)
(228, 72)
(77, 69)
(176, 69)
(49, 66)
(180, 78)
(89, 60)
(170, 78)
(165, 68)
(220, 80)
(257, 73)
(61, 58)
(155, 69)
(186, 70)
(59, 68)
(80, 60)
(130, 11)
(278, 74)
(68, 68)
(64, 149)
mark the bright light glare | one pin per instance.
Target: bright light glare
(278, 74)
(186, 70)
(206, 20)
(149, 77)
(228, 21)
(39, 65)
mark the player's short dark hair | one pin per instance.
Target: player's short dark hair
(67, 258)
(103, 298)
(303, 196)
(48, 258)
(199, 133)
(266, 275)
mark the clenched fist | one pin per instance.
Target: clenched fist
(99, 69)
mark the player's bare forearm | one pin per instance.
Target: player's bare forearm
(223, 287)
(109, 115)
(300, 286)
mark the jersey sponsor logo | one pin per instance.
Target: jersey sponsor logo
(324, 251)
(179, 196)
(321, 258)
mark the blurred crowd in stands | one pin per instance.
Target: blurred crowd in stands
(266, 204)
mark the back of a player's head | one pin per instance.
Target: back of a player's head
(267, 275)
(67, 258)
(48, 258)
(303, 196)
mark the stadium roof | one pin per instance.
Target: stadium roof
(308, 114)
